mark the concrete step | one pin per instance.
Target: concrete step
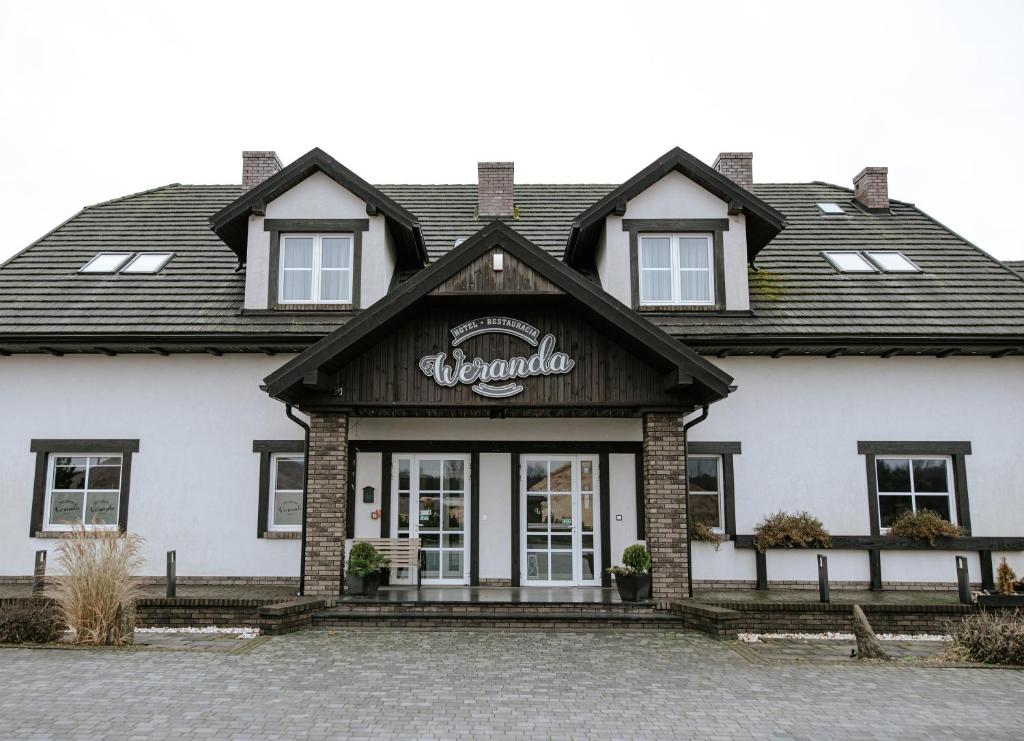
(593, 619)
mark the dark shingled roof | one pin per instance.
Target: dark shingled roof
(1017, 265)
(962, 292)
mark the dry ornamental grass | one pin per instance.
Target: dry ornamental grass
(988, 637)
(96, 587)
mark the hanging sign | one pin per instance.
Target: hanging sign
(496, 379)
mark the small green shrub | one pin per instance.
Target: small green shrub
(1005, 578)
(702, 532)
(924, 525)
(635, 560)
(988, 637)
(799, 530)
(364, 560)
(30, 624)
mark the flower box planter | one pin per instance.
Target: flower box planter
(1001, 600)
(633, 587)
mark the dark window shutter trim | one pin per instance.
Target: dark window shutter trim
(350, 496)
(266, 448)
(956, 450)
(385, 494)
(264, 494)
(641, 506)
(726, 450)
(44, 447)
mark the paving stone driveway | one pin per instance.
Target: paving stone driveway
(377, 683)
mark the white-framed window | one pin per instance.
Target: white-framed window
(704, 476)
(892, 261)
(106, 262)
(147, 262)
(287, 472)
(315, 269)
(913, 483)
(677, 269)
(83, 489)
(850, 262)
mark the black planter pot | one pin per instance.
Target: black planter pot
(1001, 600)
(633, 587)
(362, 586)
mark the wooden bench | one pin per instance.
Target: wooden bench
(403, 553)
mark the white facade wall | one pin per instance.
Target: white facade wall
(674, 197)
(195, 478)
(320, 197)
(799, 420)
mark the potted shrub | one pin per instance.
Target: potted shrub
(924, 525)
(787, 530)
(1009, 591)
(633, 578)
(362, 577)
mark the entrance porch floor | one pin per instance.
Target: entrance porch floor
(490, 595)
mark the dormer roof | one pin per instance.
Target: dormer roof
(763, 221)
(231, 222)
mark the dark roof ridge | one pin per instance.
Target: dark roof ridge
(130, 196)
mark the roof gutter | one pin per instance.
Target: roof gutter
(305, 492)
(686, 494)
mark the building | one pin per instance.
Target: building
(527, 377)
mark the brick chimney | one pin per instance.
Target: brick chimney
(738, 167)
(871, 188)
(257, 167)
(494, 189)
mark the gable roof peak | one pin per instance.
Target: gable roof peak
(763, 222)
(231, 222)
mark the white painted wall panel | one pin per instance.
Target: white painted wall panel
(495, 515)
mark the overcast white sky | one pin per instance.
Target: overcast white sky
(98, 100)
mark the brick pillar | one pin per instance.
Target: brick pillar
(665, 505)
(326, 504)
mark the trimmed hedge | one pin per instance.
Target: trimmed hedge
(30, 624)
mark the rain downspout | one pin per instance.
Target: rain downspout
(305, 491)
(686, 494)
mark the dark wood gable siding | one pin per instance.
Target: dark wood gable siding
(480, 277)
(605, 375)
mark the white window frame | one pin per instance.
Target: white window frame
(674, 238)
(125, 256)
(950, 485)
(317, 262)
(50, 490)
(273, 492)
(912, 267)
(720, 529)
(130, 269)
(869, 266)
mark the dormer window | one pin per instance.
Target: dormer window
(316, 269)
(676, 270)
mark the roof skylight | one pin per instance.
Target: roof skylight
(850, 262)
(893, 262)
(830, 209)
(148, 262)
(106, 262)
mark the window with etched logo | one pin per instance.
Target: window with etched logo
(84, 491)
(286, 495)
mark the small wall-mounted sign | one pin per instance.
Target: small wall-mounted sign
(368, 495)
(482, 374)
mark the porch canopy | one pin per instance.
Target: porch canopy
(498, 328)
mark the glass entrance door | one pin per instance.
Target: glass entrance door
(559, 505)
(430, 501)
